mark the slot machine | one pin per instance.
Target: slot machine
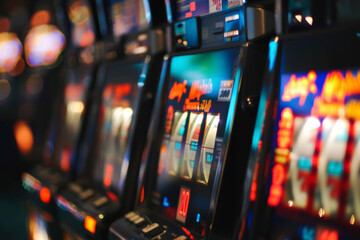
(305, 149)
(205, 104)
(125, 94)
(66, 141)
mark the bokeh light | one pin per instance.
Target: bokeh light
(10, 51)
(43, 45)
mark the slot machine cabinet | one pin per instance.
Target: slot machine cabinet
(129, 79)
(303, 161)
(205, 103)
(65, 144)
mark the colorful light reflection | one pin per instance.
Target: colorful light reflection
(43, 45)
(10, 51)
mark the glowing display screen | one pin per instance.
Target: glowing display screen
(75, 97)
(193, 135)
(316, 146)
(82, 25)
(43, 45)
(128, 16)
(192, 8)
(118, 105)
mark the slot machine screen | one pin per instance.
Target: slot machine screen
(75, 97)
(197, 115)
(82, 23)
(128, 16)
(117, 110)
(315, 150)
(192, 8)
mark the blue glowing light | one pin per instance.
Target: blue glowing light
(166, 202)
(335, 168)
(198, 217)
(181, 130)
(272, 54)
(177, 146)
(304, 163)
(193, 145)
(308, 233)
(209, 157)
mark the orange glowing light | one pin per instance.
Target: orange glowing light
(196, 91)
(193, 6)
(276, 189)
(4, 25)
(90, 224)
(74, 91)
(335, 89)
(300, 87)
(169, 119)
(177, 90)
(278, 174)
(142, 195)
(40, 17)
(108, 91)
(65, 160)
(188, 14)
(329, 235)
(298, 17)
(23, 136)
(275, 195)
(87, 38)
(309, 20)
(19, 68)
(253, 191)
(109, 169)
(122, 90)
(45, 195)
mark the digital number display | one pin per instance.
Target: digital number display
(193, 135)
(183, 205)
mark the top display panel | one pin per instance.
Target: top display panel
(191, 8)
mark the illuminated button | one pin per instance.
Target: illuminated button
(182, 237)
(86, 194)
(75, 188)
(231, 33)
(150, 228)
(130, 215)
(100, 201)
(140, 222)
(232, 18)
(153, 230)
(90, 224)
(134, 218)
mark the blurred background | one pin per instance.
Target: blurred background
(27, 94)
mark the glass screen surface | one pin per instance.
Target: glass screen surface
(118, 105)
(197, 113)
